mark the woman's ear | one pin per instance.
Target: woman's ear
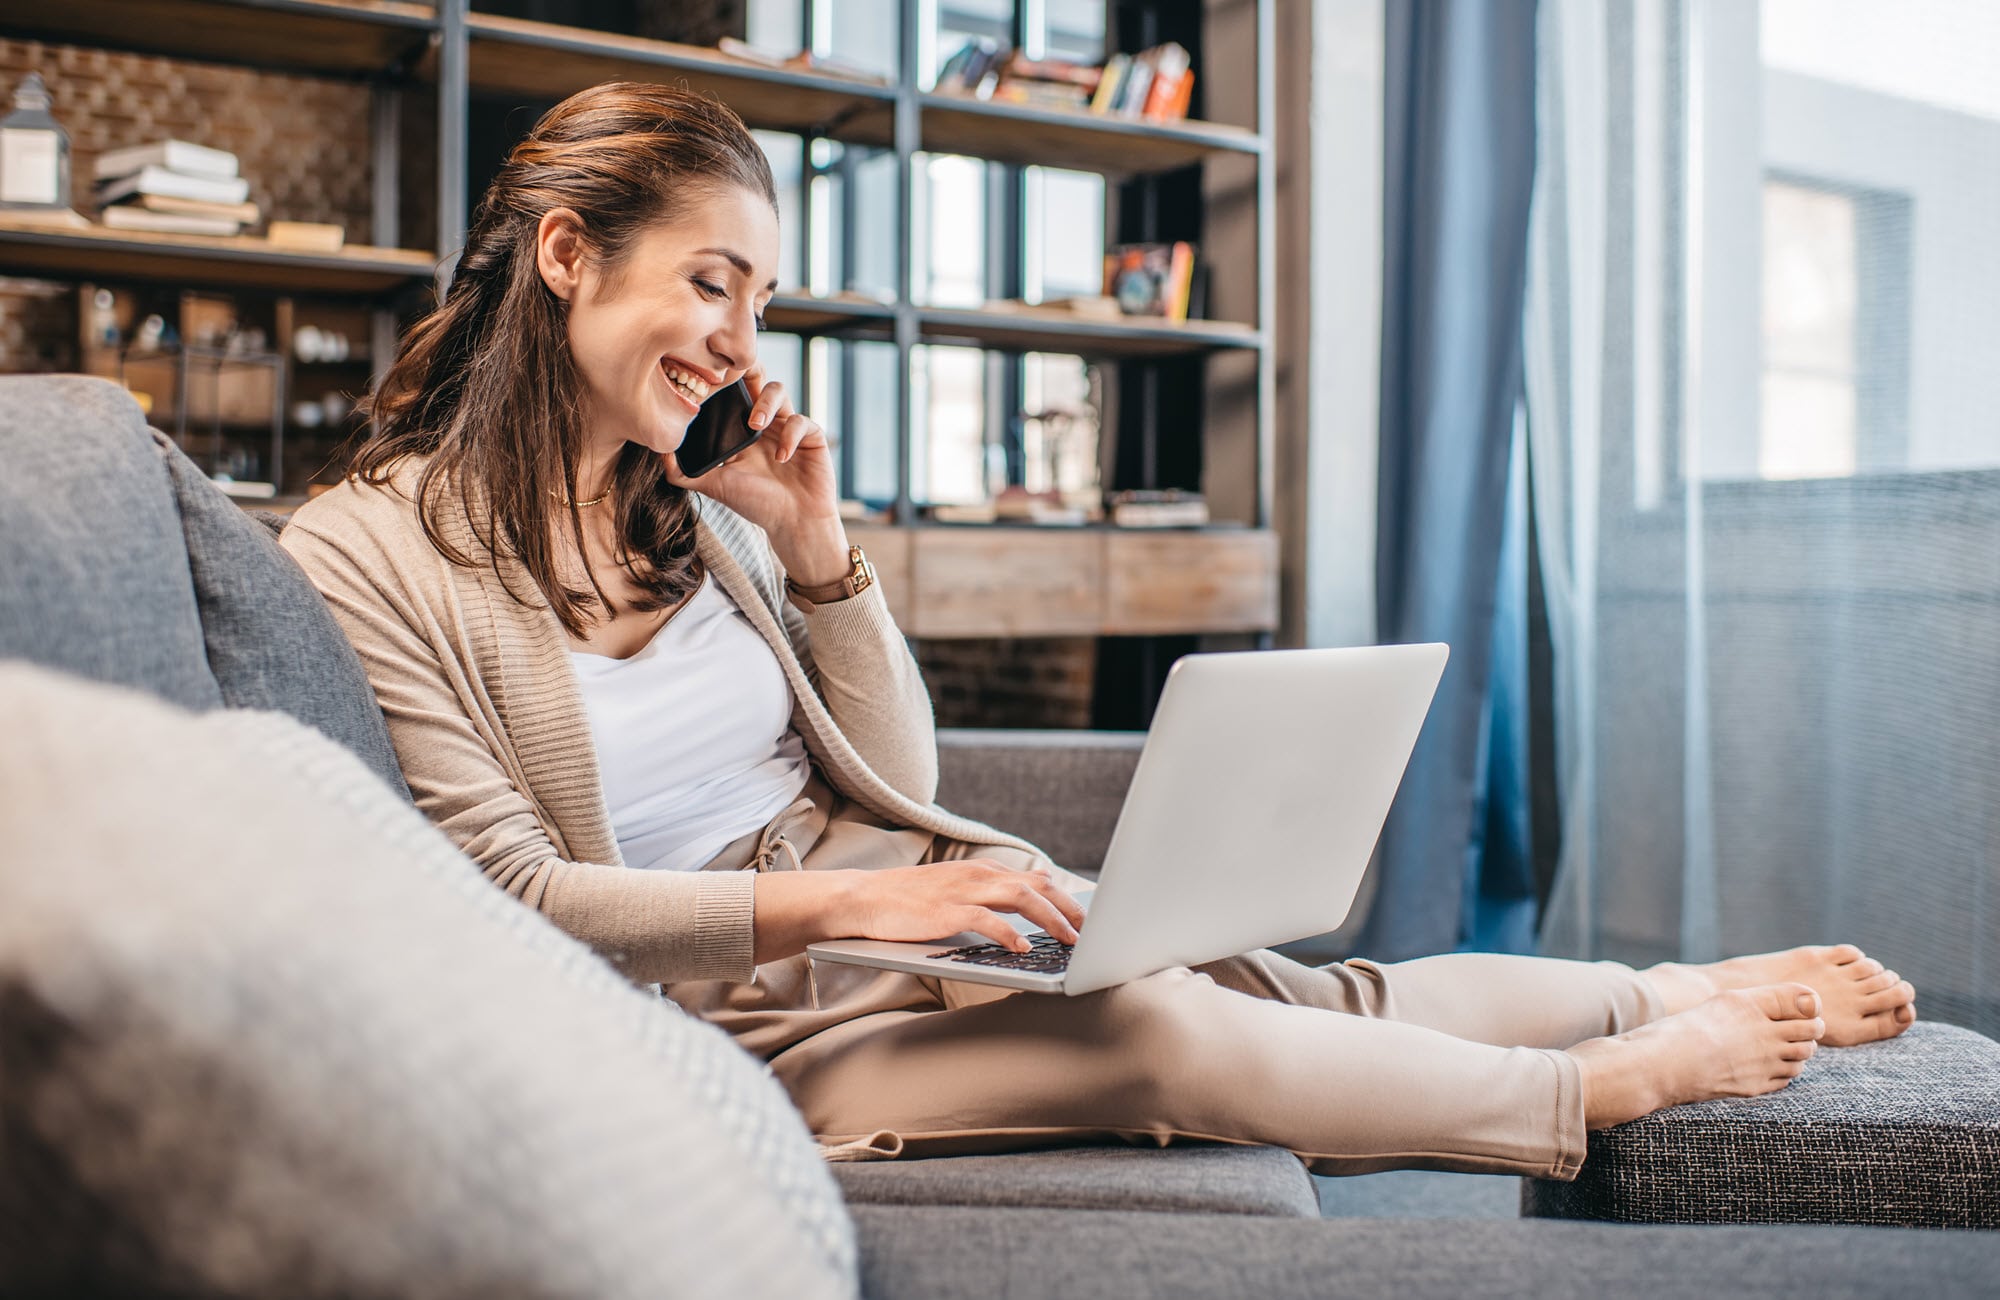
(559, 252)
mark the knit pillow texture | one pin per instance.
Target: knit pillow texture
(264, 1031)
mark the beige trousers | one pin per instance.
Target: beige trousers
(1450, 1062)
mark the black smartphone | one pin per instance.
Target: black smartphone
(718, 431)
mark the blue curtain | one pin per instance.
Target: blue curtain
(1460, 149)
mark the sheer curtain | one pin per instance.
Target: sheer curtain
(1763, 399)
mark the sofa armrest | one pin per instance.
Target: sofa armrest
(1061, 789)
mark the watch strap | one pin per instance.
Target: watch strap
(859, 578)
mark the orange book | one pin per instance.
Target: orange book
(1171, 69)
(1178, 109)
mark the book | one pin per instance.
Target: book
(972, 70)
(174, 155)
(158, 180)
(1040, 94)
(57, 218)
(247, 213)
(1019, 67)
(307, 236)
(1109, 82)
(1170, 508)
(1173, 77)
(124, 216)
(1150, 279)
(1132, 91)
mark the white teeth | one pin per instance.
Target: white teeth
(695, 386)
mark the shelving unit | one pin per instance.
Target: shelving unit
(1220, 580)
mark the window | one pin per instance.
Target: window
(1851, 168)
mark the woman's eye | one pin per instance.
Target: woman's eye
(710, 289)
(760, 321)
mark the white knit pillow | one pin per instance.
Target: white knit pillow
(264, 1031)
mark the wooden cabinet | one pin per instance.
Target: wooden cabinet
(956, 582)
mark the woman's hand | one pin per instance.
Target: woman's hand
(784, 483)
(912, 904)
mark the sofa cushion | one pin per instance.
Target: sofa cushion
(1061, 789)
(1202, 1178)
(263, 1031)
(271, 642)
(954, 1253)
(1905, 1132)
(97, 579)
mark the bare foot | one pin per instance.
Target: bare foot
(1741, 1043)
(1860, 1001)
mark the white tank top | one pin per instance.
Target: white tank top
(694, 737)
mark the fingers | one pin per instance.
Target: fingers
(770, 404)
(1033, 894)
(1037, 907)
(985, 921)
(792, 431)
(1065, 902)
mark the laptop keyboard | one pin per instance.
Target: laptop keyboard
(1046, 955)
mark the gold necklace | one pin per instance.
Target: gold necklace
(581, 505)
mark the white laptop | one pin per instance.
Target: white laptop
(1252, 815)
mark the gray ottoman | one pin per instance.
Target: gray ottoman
(1190, 1178)
(1904, 1133)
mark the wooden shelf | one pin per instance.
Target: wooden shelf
(797, 313)
(1034, 329)
(199, 261)
(1081, 141)
(547, 61)
(339, 37)
(994, 580)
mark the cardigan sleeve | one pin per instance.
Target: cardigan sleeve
(871, 686)
(394, 605)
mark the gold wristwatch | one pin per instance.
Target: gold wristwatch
(860, 577)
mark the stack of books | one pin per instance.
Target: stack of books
(173, 187)
(1154, 85)
(1046, 83)
(1167, 508)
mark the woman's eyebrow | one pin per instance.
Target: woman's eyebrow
(740, 262)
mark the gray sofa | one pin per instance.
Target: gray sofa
(123, 565)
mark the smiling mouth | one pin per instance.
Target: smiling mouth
(688, 384)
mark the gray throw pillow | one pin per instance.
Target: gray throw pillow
(271, 641)
(97, 580)
(263, 1031)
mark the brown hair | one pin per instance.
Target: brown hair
(485, 386)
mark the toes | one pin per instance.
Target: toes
(1865, 969)
(1878, 983)
(1841, 954)
(1804, 1031)
(1901, 993)
(1798, 1051)
(1906, 1014)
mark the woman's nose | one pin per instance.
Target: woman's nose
(735, 344)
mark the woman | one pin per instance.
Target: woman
(677, 718)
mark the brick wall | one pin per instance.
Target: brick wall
(303, 142)
(1031, 682)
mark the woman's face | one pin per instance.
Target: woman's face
(681, 320)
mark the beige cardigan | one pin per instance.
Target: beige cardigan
(484, 710)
